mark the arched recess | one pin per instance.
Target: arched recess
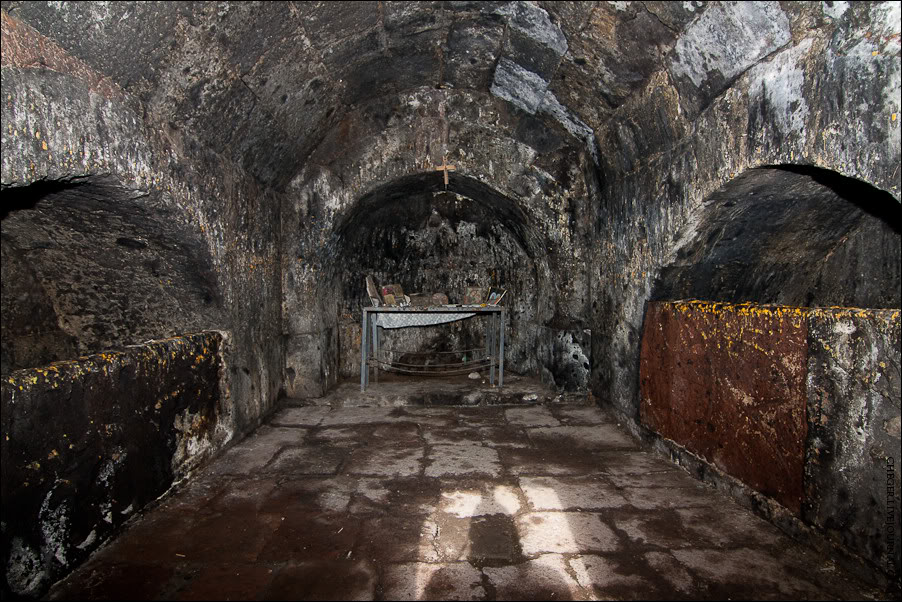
(771, 347)
(92, 271)
(91, 265)
(791, 235)
(414, 232)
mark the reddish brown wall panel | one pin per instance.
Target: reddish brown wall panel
(728, 382)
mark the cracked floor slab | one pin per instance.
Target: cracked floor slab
(471, 503)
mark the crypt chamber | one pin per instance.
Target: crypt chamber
(693, 208)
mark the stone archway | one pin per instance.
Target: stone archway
(791, 235)
(770, 348)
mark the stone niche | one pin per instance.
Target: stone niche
(800, 404)
(88, 443)
(431, 240)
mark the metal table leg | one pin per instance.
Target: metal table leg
(501, 353)
(375, 350)
(490, 344)
(364, 368)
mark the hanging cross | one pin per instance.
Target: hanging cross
(445, 168)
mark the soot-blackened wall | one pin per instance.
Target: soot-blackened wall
(430, 240)
(798, 236)
(103, 266)
(88, 443)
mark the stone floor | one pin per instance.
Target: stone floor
(541, 502)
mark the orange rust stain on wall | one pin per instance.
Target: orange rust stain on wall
(727, 381)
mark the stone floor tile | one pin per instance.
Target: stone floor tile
(398, 539)
(547, 462)
(453, 436)
(405, 433)
(412, 495)
(228, 582)
(574, 415)
(494, 540)
(366, 415)
(387, 461)
(434, 417)
(306, 461)
(423, 581)
(151, 537)
(679, 582)
(468, 502)
(371, 491)
(341, 436)
(500, 436)
(632, 463)
(483, 416)
(462, 461)
(120, 581)
(662, 528)
(257, 450)
(570, 493)
(308, 495)
(722, 526)
(225, 538)
(449, 538)
(531, 416)
(615, 577)
(668, 478)
(450, 504)
(564, 533)
(650, 498)
(299, 416)
(244, 494)
(752, 571)
(323, 580)
(544, 578)
(599, 437)
(313, 535)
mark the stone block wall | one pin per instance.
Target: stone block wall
(87, 443)
(802, 405)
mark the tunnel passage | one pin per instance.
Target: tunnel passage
(415, 233)
(91, 265)
(771, 349)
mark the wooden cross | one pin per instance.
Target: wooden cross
(445, 168)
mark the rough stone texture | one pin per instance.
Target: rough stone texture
(530, 221)
(87, 443)
(30, 332)
(728, 383)
(149, 277)
(717, 47)
(852, 258)
(852, 475)
(462, 460)
(546, 493)
(803, 407)
(291, 148)
(408, 535)
(167, 235)
(792, 108)
(672, 166)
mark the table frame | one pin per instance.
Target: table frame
(369, 336)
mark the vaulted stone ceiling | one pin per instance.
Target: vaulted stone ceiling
(175, 167)
(266, 82)
(593, 134)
